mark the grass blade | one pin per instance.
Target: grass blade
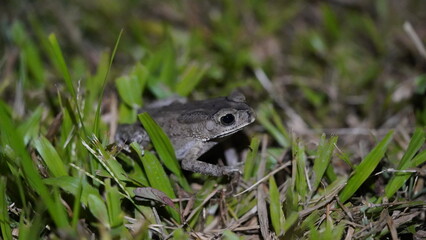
(325, 150)
(419, 159)
(31, 127)
(163, 147)
(130, 90)
(250, 162)
(60, 64)
(228, 235)
(365, 168)
(415, 144)
(274, 126)
(407, 161)
(107, 160)
(98, 108)
(190, 79)
(113, 203)
(290, 221)
(16, 142)
(157, 177)
(6, 231)
(398, 180)
(299, 169)
(73, 185)
(29, 50)
(77, 204)
(98, 208)
(50, 157)
(275, 210)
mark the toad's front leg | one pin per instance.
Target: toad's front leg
(190, 163)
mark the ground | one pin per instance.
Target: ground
(337, 149)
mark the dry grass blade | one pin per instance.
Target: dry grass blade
(326, 200)
(262, 212)
(392, 227)
(249, 214)
(349, 234)
(263, 179)
(415, 38)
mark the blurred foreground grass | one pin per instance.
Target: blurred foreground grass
(337, 151)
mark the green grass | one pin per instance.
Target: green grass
(337, 150)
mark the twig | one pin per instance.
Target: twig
(391, 170)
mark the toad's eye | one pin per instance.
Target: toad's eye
(228, 119)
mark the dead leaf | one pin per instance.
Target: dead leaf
(148, 193)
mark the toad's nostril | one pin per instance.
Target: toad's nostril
(250, 115)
